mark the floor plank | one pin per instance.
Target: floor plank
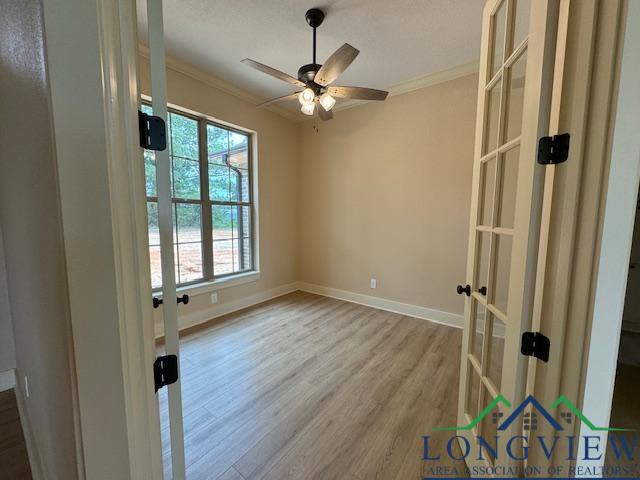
(14, 462)
(310, 387)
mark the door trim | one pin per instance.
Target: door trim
(118, 48)
(618, 227)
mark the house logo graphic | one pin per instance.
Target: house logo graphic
(530, 417)
(501, 448)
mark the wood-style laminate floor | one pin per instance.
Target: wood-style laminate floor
(309, 387)
(14, 462)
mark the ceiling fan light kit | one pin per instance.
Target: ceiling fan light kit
(308, 108)
(316, 79)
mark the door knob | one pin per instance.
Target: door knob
(184, 299)
(157, 302)
(483, 291)
(466, 290)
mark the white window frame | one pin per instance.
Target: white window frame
(217, 282)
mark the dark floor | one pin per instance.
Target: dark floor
(14, 463)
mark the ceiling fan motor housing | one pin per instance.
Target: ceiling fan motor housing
(307, 72)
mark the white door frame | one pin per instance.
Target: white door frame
(615, 249)
(92, 66)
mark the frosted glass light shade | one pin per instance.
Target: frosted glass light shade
(306, 96)
(308, 108)
(327, 101)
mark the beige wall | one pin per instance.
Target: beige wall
(384, 191)
(277, 165)
(33, 247)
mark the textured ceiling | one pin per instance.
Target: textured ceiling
(399, 40)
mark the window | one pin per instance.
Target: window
(211, 189)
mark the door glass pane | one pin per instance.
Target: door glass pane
(492, 119)
(482, 257)
(509, 183)
(487, 181)
(478, 330)
(473, 392)
(496, 351)
(490, 425)
(499, 26)
(515, 97)
(502, 271)
(521, 28)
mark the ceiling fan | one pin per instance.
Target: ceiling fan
(316, 79)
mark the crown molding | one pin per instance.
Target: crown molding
(418, 83)
(224, 86)
(217, 83)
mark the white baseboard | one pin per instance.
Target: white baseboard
(202, 316)
(7, 380)
(436, 316)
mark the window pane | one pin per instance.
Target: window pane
(189, 222)
(152, 216)
(244, 233)
(190, 261)
(186, 179)
(244, 190)
(224, 232)
(222, 222)
(238, 150)
(150, 173)
(184, 136)
(218, 182)
(156, 267)
(217, 144)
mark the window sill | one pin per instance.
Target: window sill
(219, 284)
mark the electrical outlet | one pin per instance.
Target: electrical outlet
(214, 297)
(26, 387)
(373, 283)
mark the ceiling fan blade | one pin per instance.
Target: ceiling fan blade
(358, 93)
(291, 96)
(273, 72)
(336, 64)
(324, 114)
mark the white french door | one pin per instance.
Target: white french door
(514, 98)
(165, 225)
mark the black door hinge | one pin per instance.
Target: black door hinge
(165, 371)
(535, 344)
(153, 132)
(553, 150)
